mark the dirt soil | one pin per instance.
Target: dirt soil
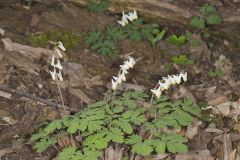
(88, 74)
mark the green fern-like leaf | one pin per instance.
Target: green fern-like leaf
(44, 143)
(51, 127)
(208, 9)
(160, 146)
(214, 19)
(133, 139)
(98, 7)
(177, 40)
(96, 141)
(115, 33)
(115, 135)
(198, 22)
(143, 148)
(93, 37)
(70, 153)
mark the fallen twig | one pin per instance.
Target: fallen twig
(19, 93)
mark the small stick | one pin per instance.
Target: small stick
(19, 93)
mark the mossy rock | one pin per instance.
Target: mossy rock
(69, 39)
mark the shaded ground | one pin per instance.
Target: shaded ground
(93, 72)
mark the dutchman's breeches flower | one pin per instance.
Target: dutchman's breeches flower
(57, 67)
(122, 73)
(131, 16)
(167, 82)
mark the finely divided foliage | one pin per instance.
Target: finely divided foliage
(100, 124)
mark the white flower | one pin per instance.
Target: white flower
(163, 86)
(114, 84)
(53, 74)
(168, 81)
(183, 76)
(123, 71)
(58, 65)
(59, 74)
(60, 45)
(124, 19)
(157, 92)
(53, 60)
(122, 77)
(132, 15)
(172, 80)
(177, 78)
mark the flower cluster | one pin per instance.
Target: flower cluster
(55, 63)
(128, 17)
(122, 73)
(168, 81)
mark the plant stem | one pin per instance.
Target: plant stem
(61, 96)
(113, 97)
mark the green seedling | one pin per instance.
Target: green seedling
(133, 30)
(98, 7)
(216, 74)
(105, 43)
(153, 33)
(198, 22)
(182, 60)
(175, 40)
(210, 16)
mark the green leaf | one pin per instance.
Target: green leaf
(93, 37)
(198, 22)
(70, 153)
(182, 60)
(177, 40)
(96, 141)
(115, 33)
(214, 19)
(143, 148)
(44, 143)
(208, 9)
(51, 127)
(160, 146)
(73, 126)
(133, 139)
(116, 135)
(91, 154)
(98, 7)
(177, 147)
(125, 126)
(130, 103)
(216, 74)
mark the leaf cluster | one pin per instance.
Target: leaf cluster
(104, 43)
(153, 33)
(105, 122)
(182, 60)
(216, 74)
(209, 16)
(98, 7)
(175, 40)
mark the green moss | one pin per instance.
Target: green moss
(69, 39)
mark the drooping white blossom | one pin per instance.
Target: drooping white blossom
(132, 15)
(167, 82)
(122, 73)
(56, 64)
(127, 17)
(60, 45)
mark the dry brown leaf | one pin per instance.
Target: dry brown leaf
(233, 155)
(81, 95)
(197, 155)
(5, 95)
(224, 64)
(221, 109)
(192, 130)
(113, 154)
(218, 100)
(200, 51)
